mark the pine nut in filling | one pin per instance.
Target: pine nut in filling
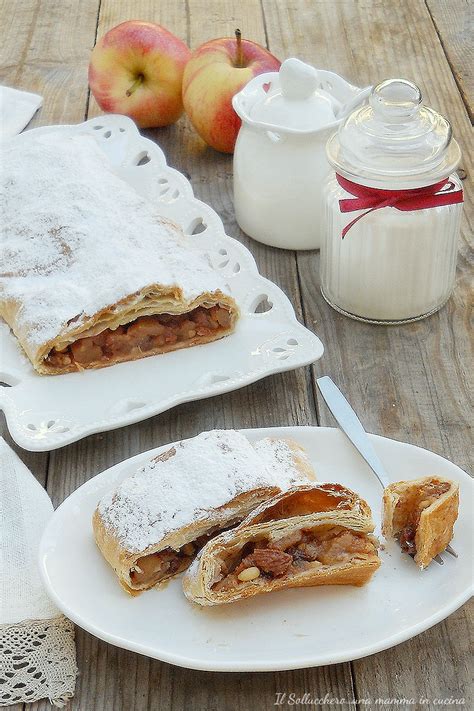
(248, 574)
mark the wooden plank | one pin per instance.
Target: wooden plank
(46, 50)
(409, 382)
(454, 22)
(115, 679)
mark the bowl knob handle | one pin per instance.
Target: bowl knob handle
(297, 79)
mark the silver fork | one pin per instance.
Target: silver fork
(352, 427)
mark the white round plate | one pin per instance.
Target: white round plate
(283, 630)
(46, 412)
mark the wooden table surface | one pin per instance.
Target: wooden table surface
(409, 382)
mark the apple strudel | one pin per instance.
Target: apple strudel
(91, 274)
(421, 515)
(151, 527)
(307, 536)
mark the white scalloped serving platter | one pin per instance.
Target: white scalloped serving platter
(47, 412)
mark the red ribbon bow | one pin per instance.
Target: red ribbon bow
(436, 195)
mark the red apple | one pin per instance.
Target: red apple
(137, 69)
(216, 71)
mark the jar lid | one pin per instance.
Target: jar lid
(294, 99)
(394, 139)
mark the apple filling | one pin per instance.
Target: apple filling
(266, 559)
(151, 569)
(408, 512)
(146, 334)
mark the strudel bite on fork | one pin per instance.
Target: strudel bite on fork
(421, 515)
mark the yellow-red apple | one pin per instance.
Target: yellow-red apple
(216, 71)
(137, 69)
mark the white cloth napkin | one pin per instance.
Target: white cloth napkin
(37, 650)
(16, 110)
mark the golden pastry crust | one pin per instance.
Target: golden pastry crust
(294, 513)
(307, 499)
(429, 506)
(262, 478)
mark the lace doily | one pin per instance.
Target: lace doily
(37, 661)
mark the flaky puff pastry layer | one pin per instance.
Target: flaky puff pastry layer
(434, 524)
(301, 508)
(310, 499)
(210, 521)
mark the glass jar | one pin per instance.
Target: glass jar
(392, 209)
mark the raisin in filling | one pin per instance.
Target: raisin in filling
(146, 333)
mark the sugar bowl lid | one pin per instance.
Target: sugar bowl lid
(294, 100)
(394, 139)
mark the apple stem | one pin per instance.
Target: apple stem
(239, 60)
(135, 85)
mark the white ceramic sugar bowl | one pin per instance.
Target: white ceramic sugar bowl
(393, 208)
(280, 160)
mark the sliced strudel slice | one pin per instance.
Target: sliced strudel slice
(421, 515)
(91, 274)
(152, 526)
(310, 535)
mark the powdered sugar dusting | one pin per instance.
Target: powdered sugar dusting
(79, 239)
(206, 472)
(278, 455)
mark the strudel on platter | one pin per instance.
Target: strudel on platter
(153, 524)
(91, 274)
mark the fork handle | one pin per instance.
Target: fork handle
(352, 426)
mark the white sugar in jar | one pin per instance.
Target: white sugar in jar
(392, 209)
